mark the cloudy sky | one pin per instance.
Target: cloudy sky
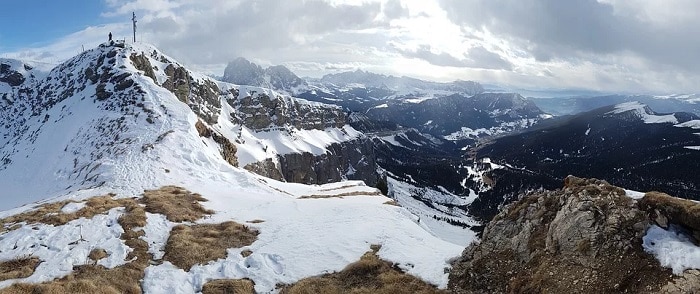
(645, 46)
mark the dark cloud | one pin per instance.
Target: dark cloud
(477, 57)
(480, 57)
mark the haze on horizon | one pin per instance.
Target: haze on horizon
(603, 45)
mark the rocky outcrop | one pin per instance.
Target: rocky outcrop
(279, 78)
(260, 111)
(9, 76)
(228, 149)
(201, 95)
(584, 238)
(140, 61)
(352, 160)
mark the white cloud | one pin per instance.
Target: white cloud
(610, 45)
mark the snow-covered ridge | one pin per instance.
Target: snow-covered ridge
(644, 113)
(110, 117)
(121, 119)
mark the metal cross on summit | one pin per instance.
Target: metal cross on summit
(134, 20)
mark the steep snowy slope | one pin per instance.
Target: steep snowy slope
(123, 118)
(98, 114)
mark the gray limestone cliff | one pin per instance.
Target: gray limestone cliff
(583, 238)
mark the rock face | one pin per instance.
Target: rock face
(264, 111)
(9, 76)
(228, 149)
(584, 238)
(243, 72)
(352, 160)
(202, 95)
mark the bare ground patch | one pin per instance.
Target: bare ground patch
(233, 286)
(20, 267)
(199, 244)
(176, 203)
(368, 275)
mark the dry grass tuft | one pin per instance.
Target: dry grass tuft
(186, 246)
(368, 275)
(176, 203)
(51, 214)
(199, 244)
(392, 202)
(341, 195)
(246, 252)
(242, 286)
(97, 254)
(96, 278)
(20, 267)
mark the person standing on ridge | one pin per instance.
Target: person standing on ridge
(110, 36)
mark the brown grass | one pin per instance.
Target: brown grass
(677, 210)
(51, 214)
(246, 252)
(339, 188)
(96, 278)
(177, 204)
(242, 286)
(19, 267)
(189, 245)
(368, 275)
(97, 254)
(199, 244)
(392, 202)
(341, 195)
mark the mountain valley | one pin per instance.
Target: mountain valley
(301, 181)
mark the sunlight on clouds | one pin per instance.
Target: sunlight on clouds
(444, 40)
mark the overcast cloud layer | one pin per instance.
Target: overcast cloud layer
(606, 45)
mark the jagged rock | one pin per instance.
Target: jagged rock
(243, 72)
(584, 238)
(178, 82)
(101, 93)
(141, 63)
(353, 160)
(260, 111)
(9, 76)
(266, 168)
(228, 149)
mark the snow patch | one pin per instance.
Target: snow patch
(72, 207)
(62, 247)
(673, 248)
(693, 124)
(634, 194)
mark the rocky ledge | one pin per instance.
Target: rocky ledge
(583, 238)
